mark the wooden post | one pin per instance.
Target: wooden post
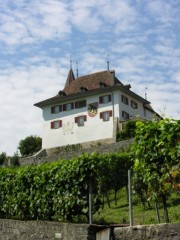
(130, 199)
(90, 202)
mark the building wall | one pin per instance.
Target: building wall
(119, 106)
(94, 128)
(70, 133)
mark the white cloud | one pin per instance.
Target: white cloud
(35, 21)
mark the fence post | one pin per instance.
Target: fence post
(130, 198)
(90, 202)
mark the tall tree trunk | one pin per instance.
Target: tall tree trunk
(115, 197)
(164, 200)
(102, 200)
(108, 201)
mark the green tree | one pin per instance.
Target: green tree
(157, 157)
(3, 158)
(128, 132)
(14, 160)
(30, 145)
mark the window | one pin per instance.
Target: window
(125, 115)
(80, 104)
(134, 104)
(83, 89)
(106, 115)
(56, 124)
(124, 99)
(80, 120)
(102, 85)
(105, 99)
(56, 109)
(68, 106)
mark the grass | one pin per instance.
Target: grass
(119, 213)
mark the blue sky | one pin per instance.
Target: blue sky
(37, 38)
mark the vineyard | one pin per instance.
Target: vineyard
(59, 191)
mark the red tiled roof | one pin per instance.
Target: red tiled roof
(91, 81)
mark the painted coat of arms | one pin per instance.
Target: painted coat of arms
(92, 109)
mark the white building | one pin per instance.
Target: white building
(89, 110)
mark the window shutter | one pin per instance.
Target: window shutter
(76, 119)
(100, 99)
(109, 98)
(110, 113)
(72, 105)
(85, 118)
(52, 109)
(84, 104)
(52, 125)
(60, 108)
(76, 105)
(122, 113)
(101, 115)
(60, 123)
(64, 107)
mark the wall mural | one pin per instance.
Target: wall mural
(68, 128)
(92, 109)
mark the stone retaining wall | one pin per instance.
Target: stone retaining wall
(56, 154)
(149, 232)
(37, 230)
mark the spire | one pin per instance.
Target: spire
(108, 62)
(77, 69)
(70, 78)
(146, 93)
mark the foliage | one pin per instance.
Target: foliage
(112, 172)
(157, 156)
(3, 158)
(119, 213)
(30, 145)
(55, 191)
(128, 132)
(14, 160)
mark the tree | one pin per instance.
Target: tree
(157, 157)
(14, 160)
(30, 145)
(3, 158)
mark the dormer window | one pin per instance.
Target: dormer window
(102, 85)
(61, 93)
(83, 89)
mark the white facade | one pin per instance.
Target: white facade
(94, 127)
(89, 109)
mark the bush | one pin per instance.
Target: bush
(3, 158)
(30, 145)
(128, 132)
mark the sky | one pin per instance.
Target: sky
(39, 37)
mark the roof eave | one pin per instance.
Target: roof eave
(57, 99)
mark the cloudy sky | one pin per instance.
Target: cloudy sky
(37, 38)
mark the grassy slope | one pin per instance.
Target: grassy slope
(120, 213)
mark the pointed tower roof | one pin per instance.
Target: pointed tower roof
(70, 78)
